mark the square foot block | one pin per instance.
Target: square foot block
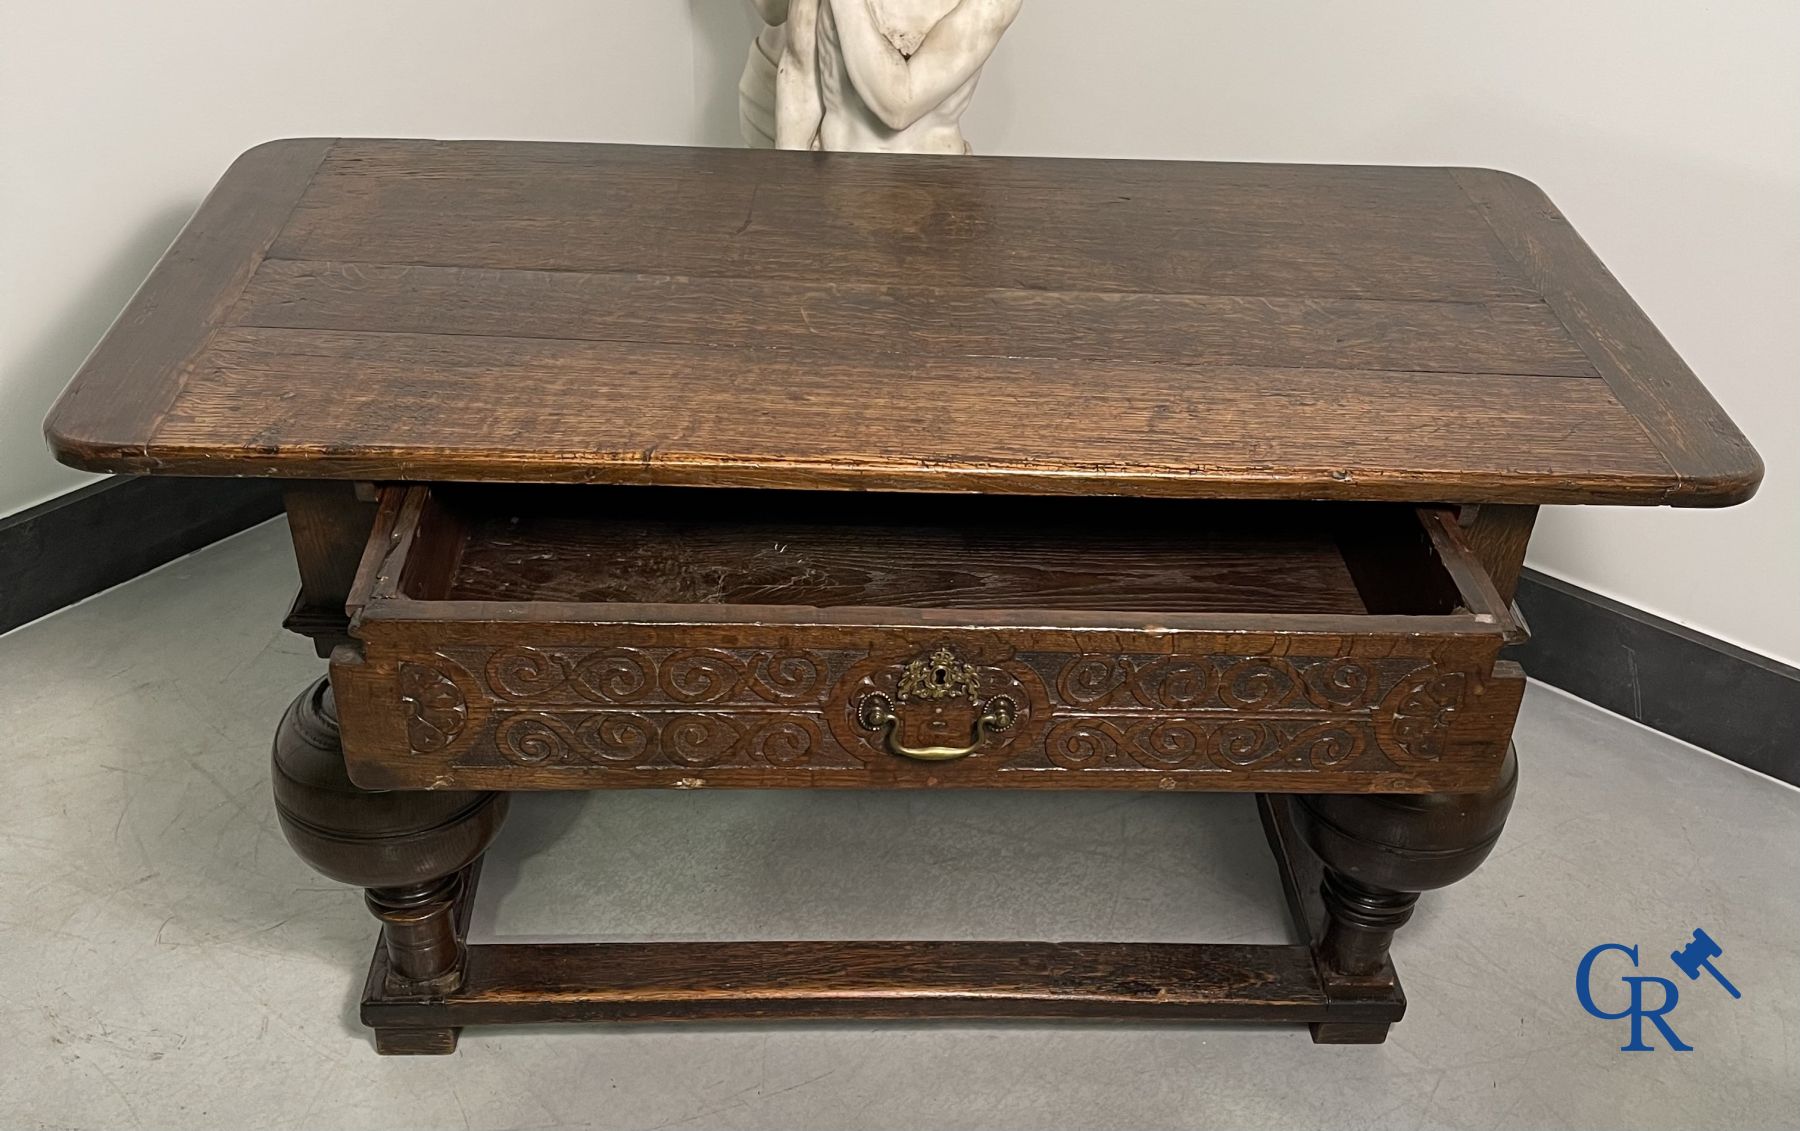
(415, 1042)
(1348, 1033)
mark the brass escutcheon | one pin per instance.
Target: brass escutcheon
(936, 678)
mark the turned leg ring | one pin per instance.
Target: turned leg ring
(406, 847)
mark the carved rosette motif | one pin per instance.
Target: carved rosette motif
(1419, 712)
(700, 708)
(434, 703)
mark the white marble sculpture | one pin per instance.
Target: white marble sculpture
(888, 76)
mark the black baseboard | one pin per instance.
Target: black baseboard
(77, 544)
(1730, 701)
(1733, 702)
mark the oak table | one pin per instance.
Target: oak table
(615, 466)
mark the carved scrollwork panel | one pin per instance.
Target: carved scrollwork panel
(656, 676)
(1338, 682)
(624, 738)
(1201, 745)
(693, 708)
(702, 675)
(788, 676)
(529, 737)
(522, 673)
(613, 675)
(664, 739)
(1233, 714)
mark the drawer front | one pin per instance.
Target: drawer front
(561, 705)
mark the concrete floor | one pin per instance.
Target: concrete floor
(166, 962)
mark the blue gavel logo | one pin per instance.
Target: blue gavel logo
(1693, 957)
(1697, 956)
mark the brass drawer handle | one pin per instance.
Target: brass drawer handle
(876, 713)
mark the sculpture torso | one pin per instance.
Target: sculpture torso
(848, 124)
(869, 75)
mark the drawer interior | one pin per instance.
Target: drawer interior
(712, 547)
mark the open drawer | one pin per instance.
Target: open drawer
(587, 637)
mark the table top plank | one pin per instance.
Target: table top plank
(630, 314)
(662, 414)
(1427, 337)
(1165, 227)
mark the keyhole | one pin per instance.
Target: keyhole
(941, 676)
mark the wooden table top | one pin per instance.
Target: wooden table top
(502, 311)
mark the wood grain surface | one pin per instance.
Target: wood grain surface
(725, 547)
(549, 982)
(396, 310)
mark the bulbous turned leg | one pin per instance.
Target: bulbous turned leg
(1380, 851)
(407, 848)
